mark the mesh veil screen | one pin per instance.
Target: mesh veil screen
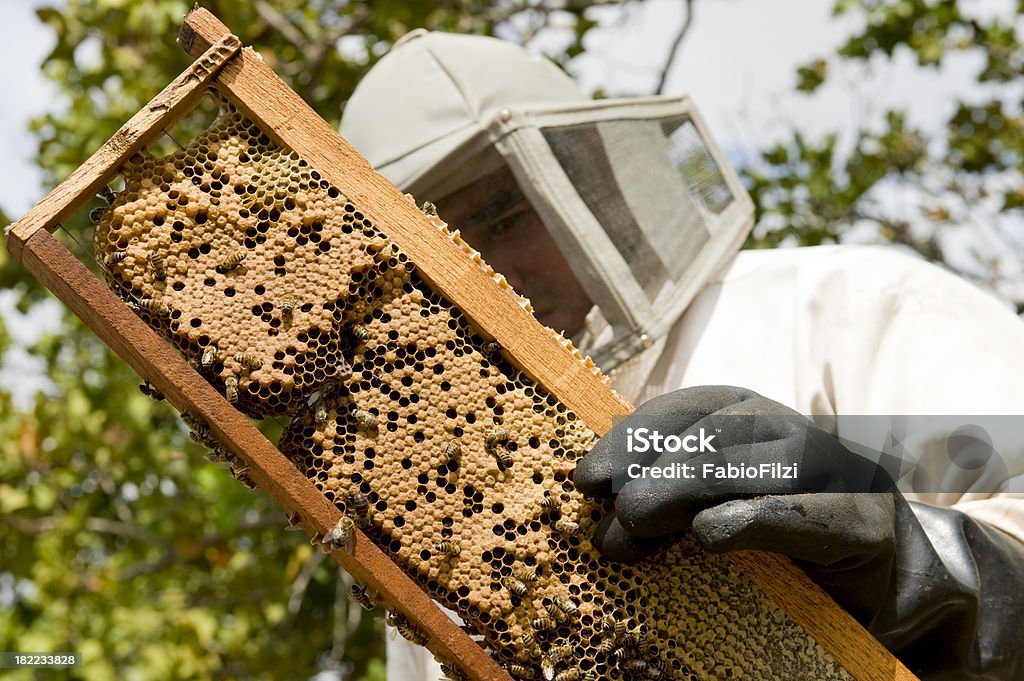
(646, 183)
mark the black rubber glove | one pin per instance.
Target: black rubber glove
(942, 591)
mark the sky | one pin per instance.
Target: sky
(26, 43)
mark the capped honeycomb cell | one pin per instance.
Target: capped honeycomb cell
(281, 292)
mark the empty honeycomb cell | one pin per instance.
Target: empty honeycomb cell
(272, 282)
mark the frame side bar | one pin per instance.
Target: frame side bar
(160, 364)
(173, 101)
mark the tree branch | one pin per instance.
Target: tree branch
(298, 591)
(93, 524)
(283, 26)
(171, 555)
(674, 50)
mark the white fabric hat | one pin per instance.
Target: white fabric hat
(432, 97)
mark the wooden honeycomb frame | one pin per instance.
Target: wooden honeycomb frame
(240, 76)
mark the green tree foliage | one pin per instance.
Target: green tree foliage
(806, 192)
(117, 539)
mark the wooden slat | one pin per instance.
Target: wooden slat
(161, 365)
(257, 91)
(160, 113)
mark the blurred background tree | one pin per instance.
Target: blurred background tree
(118, 540)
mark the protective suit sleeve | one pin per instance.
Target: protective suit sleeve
(942, 591)
(955, 604)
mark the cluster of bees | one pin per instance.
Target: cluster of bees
(413, 423)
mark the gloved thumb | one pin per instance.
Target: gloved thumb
(825, 529)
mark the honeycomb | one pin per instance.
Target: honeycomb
(455, 462)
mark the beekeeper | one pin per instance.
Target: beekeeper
(622, 223)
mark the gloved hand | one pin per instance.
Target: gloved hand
(942, 591)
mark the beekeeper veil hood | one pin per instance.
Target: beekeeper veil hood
(633, 191)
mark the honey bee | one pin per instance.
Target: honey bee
(495, 442)
(636, 666)
(407, 630)
(569, 675)
(522, 672)
(448, 548)
(232, 262)
(220, 455)
(620, 654)
(655, 668)
(96, 214)
(115, 257)
(491, 348)
(555, 613)
(191, 420)
(562, 652)
(240, 474)
(429, 209)
(514, 585)
(566, 605)
(366, 419)
(495, 438)
(451, 673)
(360, 332)
(543, 623)
(209, 356)
(200, 434)
(528, 640)
(525, 574)
(231, 389)
(629, 639)
(287, 307)
(568, 527)
(607, 645)
(549, 502)
(154, 307)
(342, 536)
(453, 451)
(319, 413)
(149, 391)
(547, 668)
(361, 595)
(249, 360)
(361, 508)
(504, 459)
(106, 194)
(614, 625)
(159, 268)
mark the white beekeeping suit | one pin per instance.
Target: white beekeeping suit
(651, 219)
